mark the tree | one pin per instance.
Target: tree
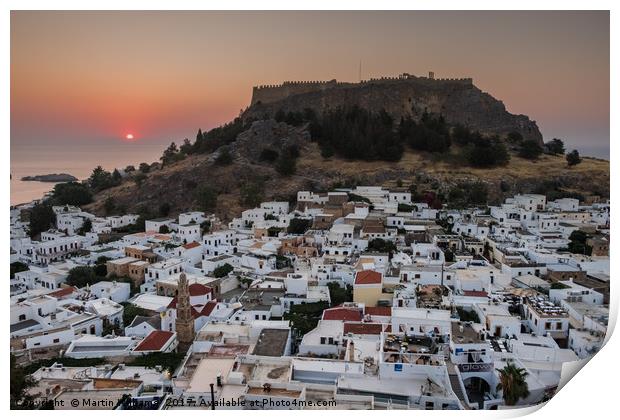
(431, 134)
(86, 227)
(164, 229)
(573, 158)
(327, 151)
(139, 178)
(20, 382)
(144, 167)
(485, 152)
(283, 262)
(304, 317)
(170, 155)
(467, 316)
(467, 194)
(358, 198)
(245, 281)
(224, 157)
(381, 245)
(81, 276)
(206, 197)
(130, 311)
(103, 259)
(514, 137)
(42, 218)
(18, 267)
(109, 205)
(299, 226)
(72, 193)
(130, 168)
(286, 163)
(100, 270)
(530, 149)
(168, 361)
(220, 136)
(403, 207)
(512, 383)
(555, 147)
(357, 133)
(579, 243)
(222, 271)
(461, 134)
(338, 294)
(164, 209)
(251, 192)
(116, 176)
(205, 227)
(268, 155)
(100, 179)
(186, 147)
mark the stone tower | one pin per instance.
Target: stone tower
(184, 321)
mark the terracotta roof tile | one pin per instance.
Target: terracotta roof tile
(197, 289)
(366, 328)
(154, 341)
(65, 291)
(378, 310)
(208, 308)
(368, 277)
(342, 314)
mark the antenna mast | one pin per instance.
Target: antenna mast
(360, 71)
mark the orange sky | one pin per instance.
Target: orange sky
(83, 77)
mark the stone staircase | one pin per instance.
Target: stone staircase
(455, 383)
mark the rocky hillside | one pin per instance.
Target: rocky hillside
(250, 177)
(458, 100)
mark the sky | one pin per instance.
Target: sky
(84, 79)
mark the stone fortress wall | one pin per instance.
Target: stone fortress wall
(272, 93)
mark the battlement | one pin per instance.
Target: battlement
(273, 93)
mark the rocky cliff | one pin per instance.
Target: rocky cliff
(458, 100)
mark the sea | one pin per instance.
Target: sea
(80, 160)
(75, 160)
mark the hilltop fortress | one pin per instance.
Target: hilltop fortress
(457, 99)
(272, 93)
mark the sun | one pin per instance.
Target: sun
(129, 136)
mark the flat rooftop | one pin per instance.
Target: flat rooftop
(207, 372)
(271, 342)
(23, 325)
(464, 333)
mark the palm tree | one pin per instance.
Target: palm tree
(512, 383)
